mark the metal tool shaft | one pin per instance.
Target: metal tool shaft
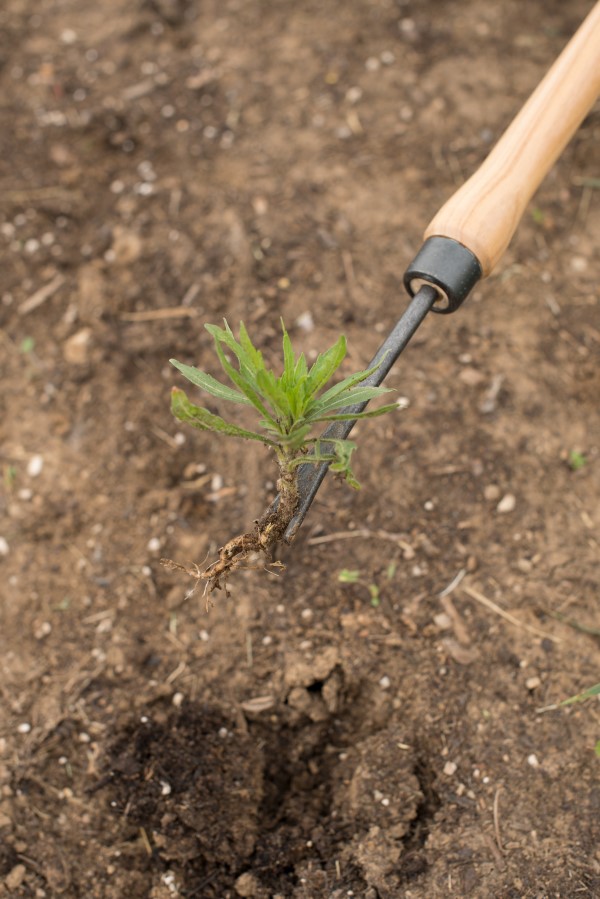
(311, 475)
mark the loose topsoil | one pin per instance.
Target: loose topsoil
(169, 162)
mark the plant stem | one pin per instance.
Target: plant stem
(268, 532)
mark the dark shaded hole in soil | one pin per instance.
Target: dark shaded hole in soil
(193, 783)
(414, 861)
(8, 859)
(316, 687)
(215, 801)
(297, 800)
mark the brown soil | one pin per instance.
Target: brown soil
(168, 162)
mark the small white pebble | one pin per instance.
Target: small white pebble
(146, 571)
(177, 699)
(43, 630)
(428, 506)
(68, 36)
(3, 546)
(63, 760)
(32, 245)
(117, 187)
(179, 438)
(385, 802)
(154, 544)
(491, 492)
(407, 26)
(266, 641)
(579, 263)
(307, 614)
(377, 795)
(507, 503)
(223, 732)
(305, 322)
(416, 571)
(353, 94)
(24, 727)
(280, 608)
(168, 111)
(143, 188)
(84, 738)
(35, 466)
(144, 719)
(532, 683)
(204, 636)
(165, 788)
(372, 64)
(533, 760)
(403, 402)
(387, 58)
(216, 482)
(485, 780)
(450, 768)
(384, 682)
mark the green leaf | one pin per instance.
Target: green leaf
(243, 383)
(374, 594)
(254, 355)
(209, 384)
(301, 370)
(249, 360)
(203, 420)
(350, 381)
(348, 576)
(351, 416)
(581, 697)
(352, 397)
(577, 460)
(325, 365)
(597, 746)
(271, 390)
(289, 363)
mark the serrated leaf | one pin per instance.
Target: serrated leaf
(357, 378)
(184, 410)
(301, 370)
(352, 397)
(243, 383)
(225, 336)
(270, 388)
(325, 365)
(209, 384)
(253, 354)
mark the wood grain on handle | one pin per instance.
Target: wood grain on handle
(484, 213)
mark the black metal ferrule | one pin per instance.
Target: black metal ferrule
(447, 265)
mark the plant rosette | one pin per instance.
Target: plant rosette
(288, 407)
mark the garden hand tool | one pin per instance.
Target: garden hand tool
(468, 236)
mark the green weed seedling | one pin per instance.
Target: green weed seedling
(353, 576)
(288, 408)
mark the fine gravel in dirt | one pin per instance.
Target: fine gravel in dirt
(166, 163)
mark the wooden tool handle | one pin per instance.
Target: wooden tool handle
(484, 213)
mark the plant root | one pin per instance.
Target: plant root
(240, 552)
